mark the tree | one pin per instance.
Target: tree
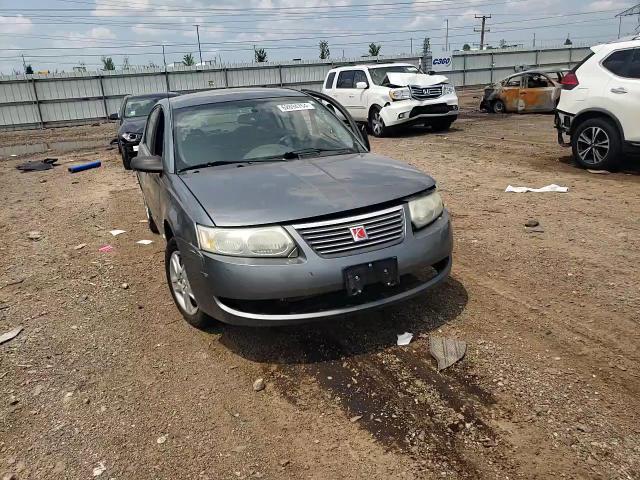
(426, 46)
(502, 43)
(107, 63)
(28, 70)
(374, 50)
(188, 60)
(324, 50)
(125, 63)
(466, 47)
(261, 55)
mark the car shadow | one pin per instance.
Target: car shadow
(630, 165)
(417, 130)
(344, 337)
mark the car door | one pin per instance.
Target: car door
(623, 90)
(510, 93)
(344, 88)
(149, 182)
(538, 93)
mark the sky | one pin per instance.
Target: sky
(57, 35)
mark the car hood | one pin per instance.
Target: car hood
(282, 192)
(418, 79)
(132, 125)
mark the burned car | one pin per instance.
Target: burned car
(529, 91)
(274, 211)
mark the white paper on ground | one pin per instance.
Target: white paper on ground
(115, 233)
(549, 188)
(405, 338)
(144, 242)
(135, 148)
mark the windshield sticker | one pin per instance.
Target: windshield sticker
(295, 107)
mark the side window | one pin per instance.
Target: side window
(513, 82)
(537, 81)
(158, 134)
(634, 68)
(329, 83)
(618, 62)
(345, 79)
(148, 131)
(359, 76)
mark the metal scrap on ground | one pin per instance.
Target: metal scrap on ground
(10, 335)
(405, 338)
(549, 188)
(446, 351)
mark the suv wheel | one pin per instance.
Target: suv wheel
(376, 123)
(596, 144)
(126, 160)
(181, 288)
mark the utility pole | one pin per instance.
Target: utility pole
(534, 39)
(483, 29)
(164, 60)
(412, 46)
(446, 41)
(24, 64)
(198, 35)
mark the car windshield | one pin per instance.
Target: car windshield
(379, 75)
(257, 130)
(139, 107)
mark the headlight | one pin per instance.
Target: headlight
(448, 89)
(425, 209)
(400, 94)
(246, 242)
(131, 137)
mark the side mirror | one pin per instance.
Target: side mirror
(114, 116)
(362, 85)
(150, 164)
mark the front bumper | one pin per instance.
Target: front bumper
(131, 148)
(411, 110)
(310, 287)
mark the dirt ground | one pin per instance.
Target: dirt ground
(107, 380)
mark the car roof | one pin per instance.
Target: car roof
(153, 95)
(372, 65)
(545, 71)
(232, 95)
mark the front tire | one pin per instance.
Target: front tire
(596, 144)
(376, 123)
(499, 107)
(126, 159)
(181, 288)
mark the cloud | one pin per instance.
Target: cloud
(93, 37)
(105, 8)
(17, 24)
(607, 5)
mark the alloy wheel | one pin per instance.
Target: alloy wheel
(593, 145)
(180, 284)
(377, 124)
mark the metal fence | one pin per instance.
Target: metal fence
(32, 101)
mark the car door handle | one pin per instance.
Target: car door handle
(619, 90)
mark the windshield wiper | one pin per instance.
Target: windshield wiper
(211, 164)
(310, 151)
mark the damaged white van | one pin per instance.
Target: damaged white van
(393, 94)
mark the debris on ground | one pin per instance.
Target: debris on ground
(99, 470)
(446, 351)
(106, 249)
(124, 286)
(355, 418)
(80, 246)
(404, 338)
(259, 385)
(532, 223)
(144, 242)
(599, 172)
(537, 229)
(37, 165)
(34, 235)
(84, 166)
(10, 335)
(549, 188)
(161, 439)
(117, 232)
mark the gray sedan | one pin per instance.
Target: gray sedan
(275, 212)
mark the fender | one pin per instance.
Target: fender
(597, 112)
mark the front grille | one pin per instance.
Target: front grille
(333, 238)
(424, 93)
(438, 108)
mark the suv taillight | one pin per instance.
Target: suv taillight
(570, 81)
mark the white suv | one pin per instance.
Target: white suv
(600, 105)
(386, 95)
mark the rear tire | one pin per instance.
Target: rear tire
(181, 289)
(376, 123)
(498, 106)
(596, 144)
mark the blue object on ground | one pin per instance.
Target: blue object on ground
(84, 166)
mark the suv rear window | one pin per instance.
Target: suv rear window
(329, 82)
(618, 62)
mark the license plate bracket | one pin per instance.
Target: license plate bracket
(381, 271)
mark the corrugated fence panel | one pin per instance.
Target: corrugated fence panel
(478, 77)
(81, 109)
(478, 61)
(134, 84)
(62, 89)
(113, 104)
(190, 81)
(304, 73)
(18, 115)
(254, 77)
(514, 59)
(16, 92)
